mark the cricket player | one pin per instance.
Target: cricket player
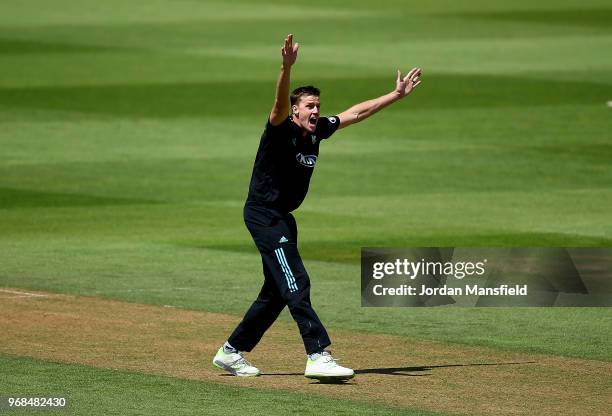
(285, 160)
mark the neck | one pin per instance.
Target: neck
(302, 130)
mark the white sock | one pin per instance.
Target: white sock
(314, 356)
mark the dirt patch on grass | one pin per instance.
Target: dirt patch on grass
(392, 370)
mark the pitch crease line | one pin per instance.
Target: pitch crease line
(24, 294)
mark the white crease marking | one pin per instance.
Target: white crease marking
(23, 294)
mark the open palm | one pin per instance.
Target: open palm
(405, 85)
(289, 51)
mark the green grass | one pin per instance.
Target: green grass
(93, 391)
(129, 131)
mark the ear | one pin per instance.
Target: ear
(294, 109)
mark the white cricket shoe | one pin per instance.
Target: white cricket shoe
(325, 368)
(235, 363)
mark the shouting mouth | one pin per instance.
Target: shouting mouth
(312, 121)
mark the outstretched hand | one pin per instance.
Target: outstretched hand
(405, 85)
(289, 51)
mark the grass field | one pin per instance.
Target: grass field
(127, 136)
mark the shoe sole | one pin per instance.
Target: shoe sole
(229, 369)
(327, 378)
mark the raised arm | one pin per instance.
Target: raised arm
(280, 110)
(361, 111)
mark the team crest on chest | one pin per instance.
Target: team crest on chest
(306, 160)
(314, 138)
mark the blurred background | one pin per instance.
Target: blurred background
(128, 132)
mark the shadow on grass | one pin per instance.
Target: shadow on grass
(406, 371)
(401, 371)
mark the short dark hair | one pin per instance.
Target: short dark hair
(302, 91)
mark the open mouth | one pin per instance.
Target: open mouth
(312, 121)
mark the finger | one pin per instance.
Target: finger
(410, 74)
(399, 75)
(296, 47)
(289, 40)
(416, 84)
(415, 77)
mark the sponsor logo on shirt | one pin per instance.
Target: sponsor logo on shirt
(306, 160)
(333, 120)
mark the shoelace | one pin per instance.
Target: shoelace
(329, 358)
(242, 361)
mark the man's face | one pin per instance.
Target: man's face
(306, 112)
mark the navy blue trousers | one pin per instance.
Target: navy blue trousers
(286, 282)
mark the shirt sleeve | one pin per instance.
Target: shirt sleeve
(327, 126)
(277, 130)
